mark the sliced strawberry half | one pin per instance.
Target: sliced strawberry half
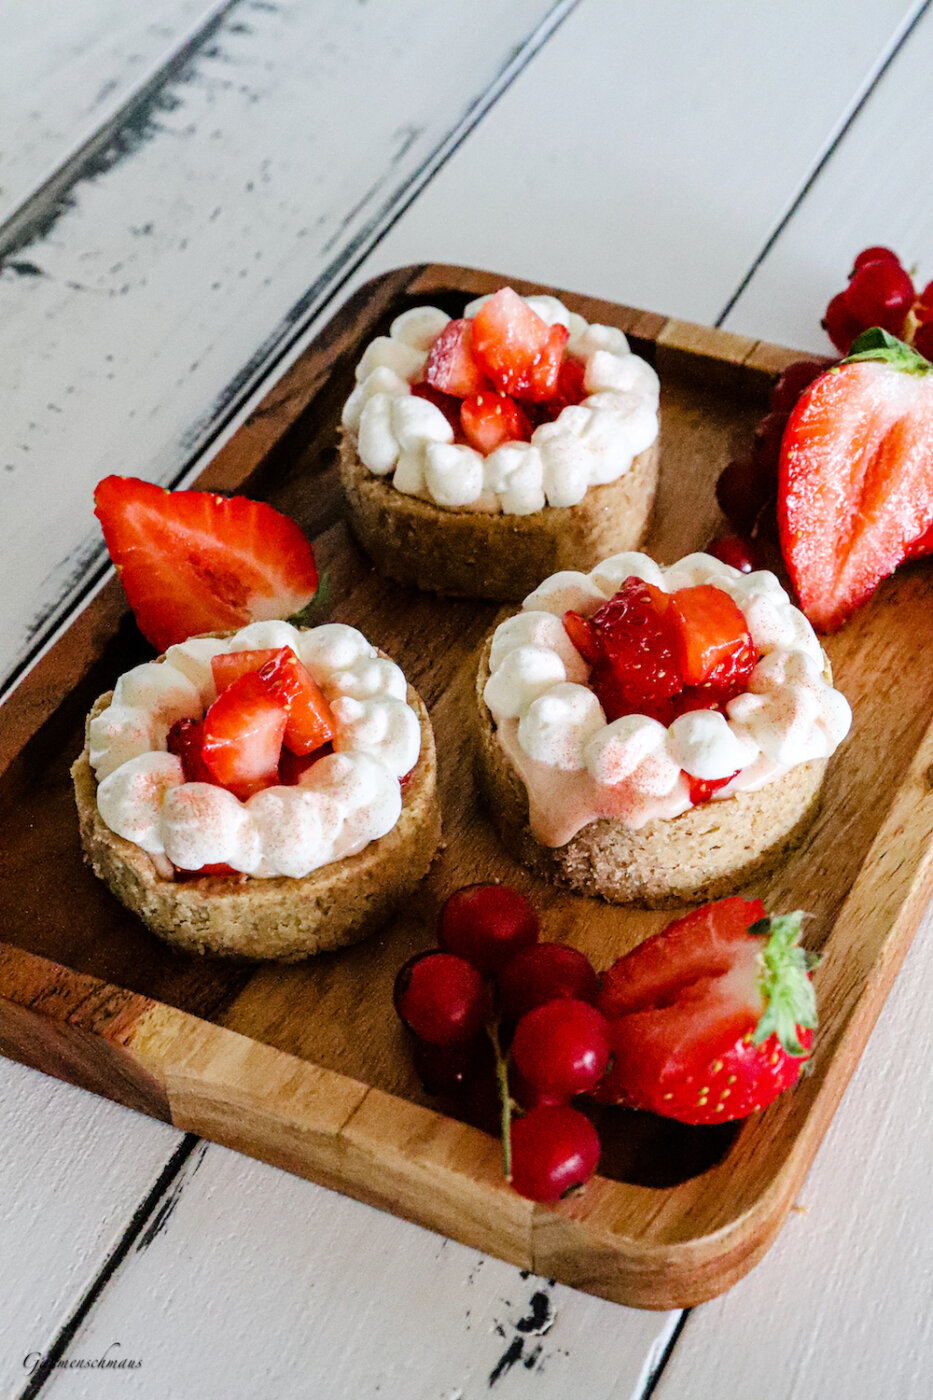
(855, 484)
(489, 420)
(509, 339)
(310, 719)
(193, 561)
(229, 666)
(711, 1018)
(540, 383)
(243, 733)
(452, 366)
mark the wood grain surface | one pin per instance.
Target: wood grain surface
(648, 1232)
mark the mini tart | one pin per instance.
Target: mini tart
(704, 852)
(469, 554)
(595, 496)
(281, 918)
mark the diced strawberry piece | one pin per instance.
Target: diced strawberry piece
(447, 403)
(405, 781)
(636, 641)
(541, 382)
(310, 720)
(218, 869)
(855, 486)
(452, 365)
(709, 630)
(229, 666)
(489, 420)
(570, 382)
(292, 766)
(243, 733)
(708, 1020)
(184, 739)
(702, 789)
(508, 339)
(583, 635)
(702, 943)
(193, 561)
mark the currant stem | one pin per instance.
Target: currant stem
(505, 1099)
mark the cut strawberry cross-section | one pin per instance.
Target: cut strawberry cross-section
(855, 483)
(509, 338)
(229, 666)
(193, 561)
(243, 733)
(310, 719)
(489, 420)
(452, 366)
(712, 640)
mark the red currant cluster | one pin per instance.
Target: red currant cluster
(747, 486)
(881, 293)
(492, 984)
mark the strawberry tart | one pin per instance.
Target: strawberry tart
(266, 793)
(655, 735)
(483, 453)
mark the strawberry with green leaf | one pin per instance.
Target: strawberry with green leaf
(713, 1017)
(855, 481)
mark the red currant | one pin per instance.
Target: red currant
(553, 1151)
(544, 973)
(737, 550)
(792, 382)
(840, 324)
(450, 1069)
(873, 255)
(487, 924)
(441, 998)
(923, 306)
(742, 492)
(880, 294)
(562, 1047)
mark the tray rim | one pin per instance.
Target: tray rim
(385, 1150)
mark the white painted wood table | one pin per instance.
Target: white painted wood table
(188, 189)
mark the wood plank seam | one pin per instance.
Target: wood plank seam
(134, 1228)
(824, 160)
(35, 221)
(38, 214)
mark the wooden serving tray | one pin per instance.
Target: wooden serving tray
(306, 1066)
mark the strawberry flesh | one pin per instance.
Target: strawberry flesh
(710, 635)
(193, 562)
(855, 484)
(489, 420)
(229, 666)
(243, 733)
(310, 719)
(452, 365)
(509, 339)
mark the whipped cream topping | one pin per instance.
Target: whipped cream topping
(340, 804)
(578, 768)
(409, 441)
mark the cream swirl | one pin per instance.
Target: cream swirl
(340, 804)
(578, 768)
(409, 441)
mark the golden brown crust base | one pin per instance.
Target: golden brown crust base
(281, 919)
(469, 554)
(706, 853)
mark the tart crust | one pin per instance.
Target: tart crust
(281, 918)
(473, 554)
(705, 853)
